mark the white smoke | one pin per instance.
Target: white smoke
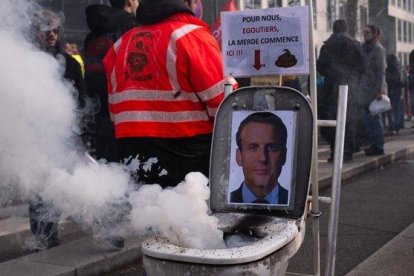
(41, 156)
(179, 213)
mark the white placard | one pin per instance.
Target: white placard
(266, 42)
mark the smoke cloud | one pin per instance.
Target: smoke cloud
(41, 155)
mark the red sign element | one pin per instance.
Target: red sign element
(257, 63)
(215, 29)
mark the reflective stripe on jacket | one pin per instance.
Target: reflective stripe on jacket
(165, 80)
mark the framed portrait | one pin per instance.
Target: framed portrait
(262, 155)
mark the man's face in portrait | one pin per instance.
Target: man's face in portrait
(262, 155)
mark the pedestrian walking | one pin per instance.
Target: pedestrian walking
(411, 84)
(47, 30)
(107, 24)
(395, 84)
(341, 61)
(373, 86)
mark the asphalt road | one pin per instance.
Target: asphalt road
(374, 208)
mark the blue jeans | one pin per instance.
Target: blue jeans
(412, 102)
(374, 128)
(396, 115)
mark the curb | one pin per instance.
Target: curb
(397, 254)
(77, 258)
(363, 164)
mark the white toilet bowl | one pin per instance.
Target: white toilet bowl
(274, 232)
(275, 241)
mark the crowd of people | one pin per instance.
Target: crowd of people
(370, 75)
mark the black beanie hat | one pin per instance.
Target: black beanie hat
(117, 3)
(153, 11)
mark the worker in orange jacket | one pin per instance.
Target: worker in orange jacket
(165, 83)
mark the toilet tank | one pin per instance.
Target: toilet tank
(226, 174)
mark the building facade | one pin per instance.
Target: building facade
(398, 26)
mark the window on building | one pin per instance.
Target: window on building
(315, 23)
(330, 12)
(409, 33)
(273, 3)
(294, 2)
(405, 36)
(342, 11)
(412, 32)
(409, 5)
(392, 2)
(399, 3)
(404, 4)
(400, 57)
(406, 59)
(399, 31)
(252, 4)
(363, 14)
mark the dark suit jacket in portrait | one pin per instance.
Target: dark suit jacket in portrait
(237, 197)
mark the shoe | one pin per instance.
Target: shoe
(373, 151)
(348, 158)
(109, 243)
(42, 242)
(390, 133)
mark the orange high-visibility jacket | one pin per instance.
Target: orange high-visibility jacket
(165, 80)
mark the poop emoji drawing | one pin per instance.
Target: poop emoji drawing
(286, 60)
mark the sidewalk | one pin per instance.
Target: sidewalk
(394, 258)
(80, 256)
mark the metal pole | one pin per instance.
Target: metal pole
(315, 213)
(327, 123)
(228, 88)
(336, 180)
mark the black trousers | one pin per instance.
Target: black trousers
(44, 219)
(165, 161)
(352, 117)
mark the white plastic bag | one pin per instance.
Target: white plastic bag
(380, 106)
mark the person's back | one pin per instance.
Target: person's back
(373, 81)
(166, 83)
(394, 77)
(107, 25)
(341, 61)
(411, 84)
(395, 84)
(47, 32)
(373, 86)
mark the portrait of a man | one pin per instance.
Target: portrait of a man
(261, 140)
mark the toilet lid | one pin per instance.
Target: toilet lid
(276, 233)
(227, 174)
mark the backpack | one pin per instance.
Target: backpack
(95, 51)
